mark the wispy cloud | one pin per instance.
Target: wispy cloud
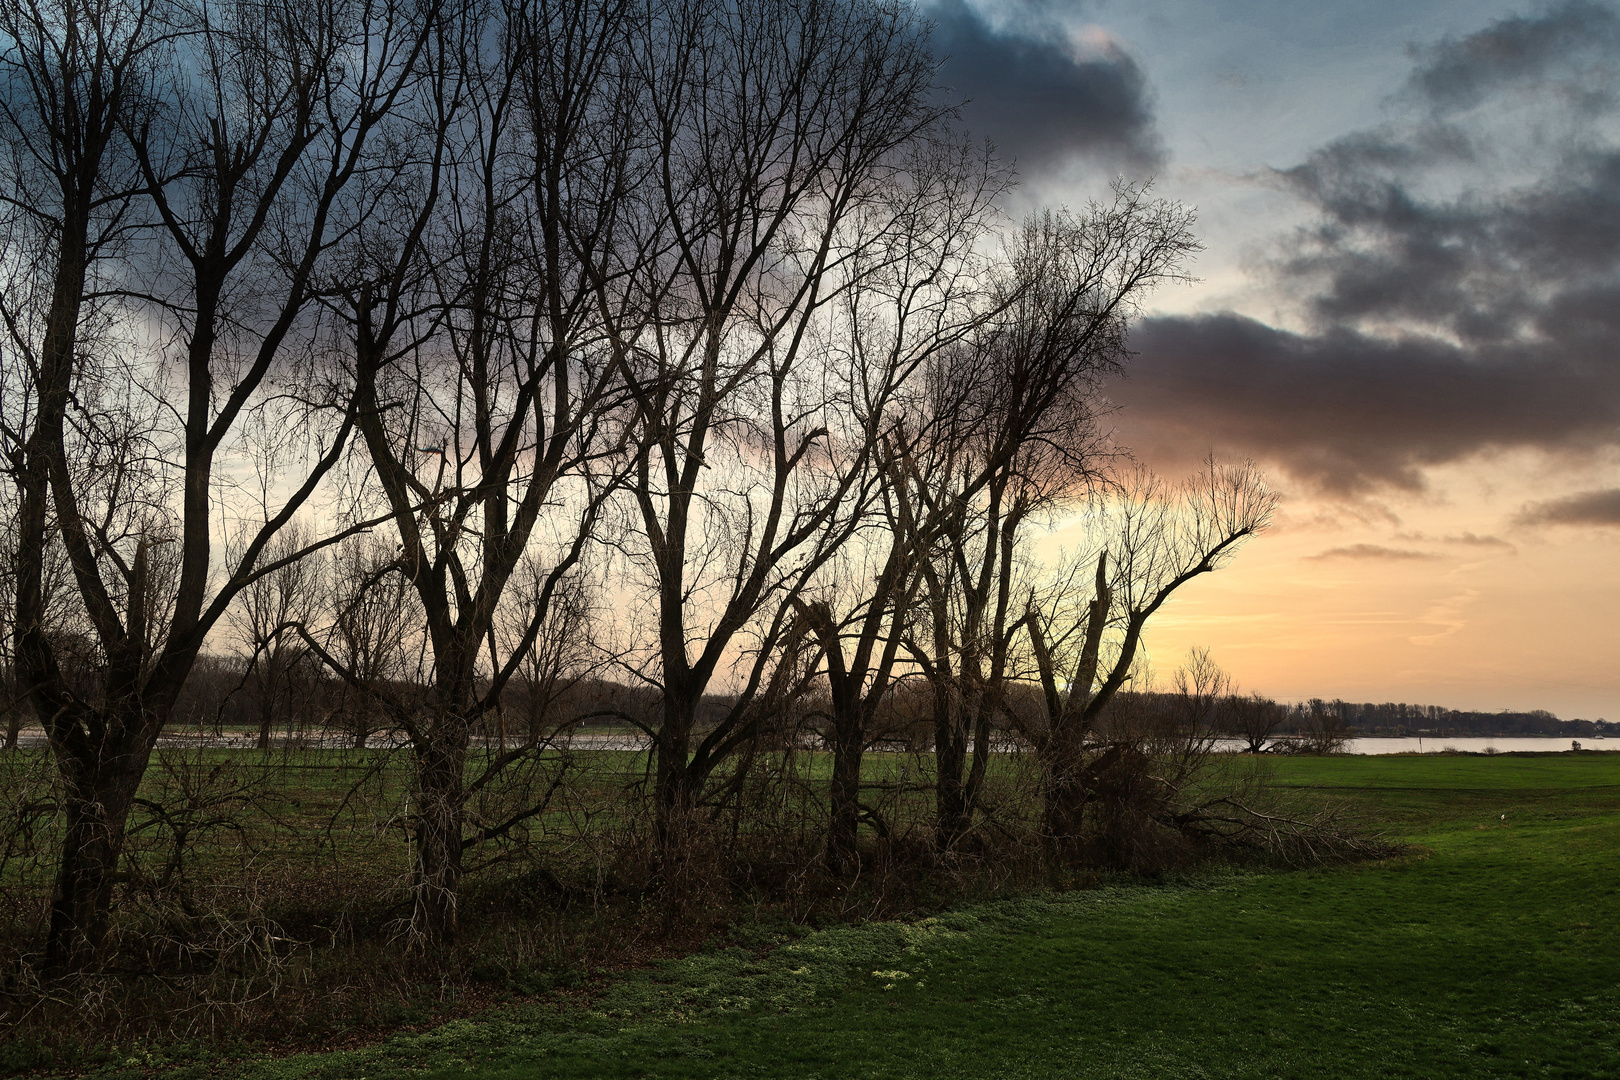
(1375, 551)
(1462, 539)
(1469, 539)
(1446, 614)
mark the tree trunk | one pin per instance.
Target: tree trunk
(950, 760)
(1063, 794)
(673, 795)
(981, 763)
(82, 899)
(849, 744)
(1112, 781)
(100, 790)
(267, 712)
(440, 780)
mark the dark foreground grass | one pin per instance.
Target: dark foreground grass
(1493, 950)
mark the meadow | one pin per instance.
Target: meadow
(1488, 949)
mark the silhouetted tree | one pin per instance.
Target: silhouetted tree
(266, 616)
(1162, 538)
(179, 166)
(1254, 718)
(775, 128)
(1015, 435)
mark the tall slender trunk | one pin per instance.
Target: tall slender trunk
(981, 760)
(356, 719)
(950, 762)
(849, 746)
(854, 699)
(267, 711)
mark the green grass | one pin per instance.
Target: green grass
(1490, 951)
(1419, 795)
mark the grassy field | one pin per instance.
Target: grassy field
(1490, 951)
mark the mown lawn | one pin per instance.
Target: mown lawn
(1491, 951)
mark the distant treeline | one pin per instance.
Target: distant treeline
(300, 699)
(1399, 718)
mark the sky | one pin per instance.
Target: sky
(1407, 312)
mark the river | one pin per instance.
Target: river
(604, 740)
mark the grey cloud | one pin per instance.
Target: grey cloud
(1451, 311)
(1039, 100)
(1485, 267)
(1375, 551)
(1465, 539)
(1585, 508)
(1524, 52)
(1436, 224)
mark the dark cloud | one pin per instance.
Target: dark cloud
(1482, 266)
(1375, 551)
(1350, 412)
(1042, 98)
(1586, 508)
(1461, 281)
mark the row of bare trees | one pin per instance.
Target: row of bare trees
(677, 341)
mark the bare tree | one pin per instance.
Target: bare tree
(71, 75)
(1184, 730)
(775, 128)
(1322, 728)
(488, 391)
(181, 168)
(266, 616)
(922, 296)
(1084, 649)
(555, 661)
(374, 619)
(1016, 435)
(1254, 718)
(1200, 692)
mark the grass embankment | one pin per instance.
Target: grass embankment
(1491, 951)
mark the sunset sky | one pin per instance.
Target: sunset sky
(1408, 312)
